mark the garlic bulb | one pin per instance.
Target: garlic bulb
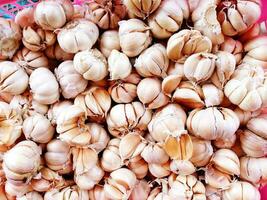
(31, 195)
(51, 15)
(58, 156)
(13, 79)
(120, 184)
(109, 41)
(168, 18)
(213, 96)
(217, 179)
(216, 122)
(199, 67)
(30, 60)
(124, 118)
(37, 39)
(91, 64)
(125, 90)
(56, 52)
(185, 43)
(71, 192)
(225, 142)
(159, 170)
(182, 167)
(56, 108)
(237, 17)
(44, 86)
(10, 36)
(257, 125)
(150, 94)
(234, 47)
(245, 116)
(95, 102)
(153, 61)
(154, 153)
(119, 65)
(247, 87)
(138, 166)
(38, 128)
(140, 191)
(168, 121)
(106, 14)
(134, 36)
(71, 82)
(16, 190)
(97, 193)
(25, 17)
(77, 35)
(21, 162)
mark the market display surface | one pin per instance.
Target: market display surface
(133, 99)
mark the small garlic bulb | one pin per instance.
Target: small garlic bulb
(51, 15)
(119, 65)
(57, 53)
(154, 153)
(185, 43)
(134, 36)
(234, 47)
(78, 35)
(71, 82)
(13, 79)
(70, 192)
(44, 86)
(91, 64)
(109, 41)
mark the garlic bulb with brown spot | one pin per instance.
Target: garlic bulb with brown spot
(258, 125)
(70, 192)
(168, 121)
(140, 191)
(182, 167)
(247, 87)
(78, 35)
(199, 67)
(30, 60)
(91, 64)
(56, 52)
(153, 61)
(21, 162)
(245, 116)
(31, 195)
(71, 82)
(216, 178)
(154, 153)
(13, 79)
(37, 39)
(10, 36)
(234, 47)
(168, 18)
(124, 118)
(109, 41)
(138, 166)
(185, 43)
(58, 156)
(44, 86)
(134, 36)
(159, 170)
(95, 102)
(119, 65)
(150, 94)
(120, 184)
(38, 128)
(51, 15)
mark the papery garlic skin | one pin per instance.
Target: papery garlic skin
(13, 79)
(213, 193)
(44, 86)
(168, 18)
(10, 36)
(138, 166)
(38, 128)
(71, 82)
(225, 142)
(154, 153)
(46, 12)
(119, 65)
(217, 179)
(134, 36)
(182, 167)
(56, 52)
(56, 108)
(91, 64)
(31, 195)
(185, 43)
(70, 192)
(109, 41)
(160, 170)
(140, 191)
(97, 193)
(234, 47)
(213, 96)
(245, 116)
(78, 35)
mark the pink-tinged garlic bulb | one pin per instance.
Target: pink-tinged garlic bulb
(234, 47)
(79, 11)
(140, 191)
(247, 87)
(57, 53)
(51, 15)
(120, 184)
(138, 166)
(77, 35)
(30, 196)
(30, 60)
(13, 79)
(22, 162)
(71, 192)
(37, 39)
(237, 17)
(125, 118)
(167, 121)
(97, 193)
(10, 36)
(25, 17)
(95, 102)
(44, 86)
(168, 18)
(106, 14)
(71, 82)
(56, 108)
(253, 31)
(91, 64)
(109, 40)
(134, 36)
(10, 123)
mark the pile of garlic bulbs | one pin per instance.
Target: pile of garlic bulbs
(138, 100)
